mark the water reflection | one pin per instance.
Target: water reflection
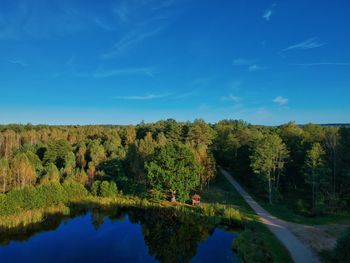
(119, 235)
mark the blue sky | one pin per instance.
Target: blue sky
(120, 62)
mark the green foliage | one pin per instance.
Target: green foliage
(112, 146)
(341, 253)
(108, 189)
(95, 188)
(56, 152)
(251, 248)
(5, 175)
(53, 193)
(342, 249)
(75, 190)
(104, 188)
(315, 172)
(51, 174)
(173, 167)
(268, 159)
(35, 161)
(78, 176)
(85, 153)
(96, 151)
(69, 163)
(232, 215)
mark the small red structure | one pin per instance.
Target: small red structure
(196, 200)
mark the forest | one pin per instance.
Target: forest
(306, 167)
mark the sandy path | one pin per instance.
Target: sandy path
(298, 251)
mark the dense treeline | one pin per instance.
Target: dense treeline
(306, 166)
(132, 158)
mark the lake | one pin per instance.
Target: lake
(122, 236)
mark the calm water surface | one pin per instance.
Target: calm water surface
(126, 237)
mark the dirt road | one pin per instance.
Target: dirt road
(298, 251)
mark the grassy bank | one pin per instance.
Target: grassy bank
(222, 192)
(222, 206)
(21, 208)
(285, 212)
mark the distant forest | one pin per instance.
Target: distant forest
(305, 166)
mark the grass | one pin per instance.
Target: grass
(285, 212)
(221, 191)
(39, 215)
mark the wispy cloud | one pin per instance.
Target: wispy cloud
(29, 20)
(164, 4)
(188, 94)
(310, 43)
(268, 12)
(322, 64)
(17, 62)
(147, 71)
(255, 67)
(102, 24)
(231, 98)
(144, 97)
(280, 100)
(124, 10)
(249, 63)
(129, 41)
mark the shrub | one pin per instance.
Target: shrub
(74, 190)
(341, 252)
(108, 189)
(104, 188)
(54, 193)
(18, 200)
(156, 195)
(209, 211)
(95, 188)
(41, 196)
(232, 215)
(251, 248)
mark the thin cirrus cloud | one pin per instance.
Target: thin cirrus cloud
(231, 98)
(310, 43)
(322, 64)
(17, 62)
(255, 67)
(249, 63)
(102, 24)
(124, 71)
(280, 100)
(144, 97)
(129, 41)
(268, 12)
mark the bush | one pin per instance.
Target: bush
(108, 189)
(104, 188)
(54, 193)
(209, 211)
(95, 188)
(20, 199)
(232, 215)
(41, 196)
(342, 250)
(74, 190)
(250, 247)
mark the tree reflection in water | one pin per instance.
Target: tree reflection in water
(171, 235)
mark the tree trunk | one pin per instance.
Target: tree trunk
(313, 192)
(270, 190)
(334, 172)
